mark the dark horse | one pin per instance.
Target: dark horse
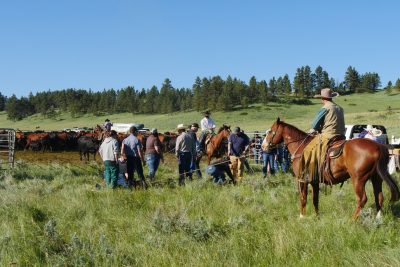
(217, 145)
(362, 159)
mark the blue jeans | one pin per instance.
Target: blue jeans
(195, 167)
(122, 181)
(153, 160)
(283, 160)
(268, 159)
(184, 161)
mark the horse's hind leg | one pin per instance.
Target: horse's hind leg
(303, 198)
(377, 184)
(359, 188)
(315, 187)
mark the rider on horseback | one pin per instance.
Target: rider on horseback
(207, 127)
(329, 122)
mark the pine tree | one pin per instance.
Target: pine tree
(369, 82)
(397, 85)
(389, 88)
(197, 94)
(286, 84)
(2, 102)
(263, 90)
(252, 91)
(352, 80)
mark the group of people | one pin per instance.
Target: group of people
(328, 122)
(273, 159)
(120, 164)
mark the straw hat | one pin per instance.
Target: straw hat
(180, 127)
(326, 93)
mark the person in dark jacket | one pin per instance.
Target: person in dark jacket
(195, 165)
(217, 170)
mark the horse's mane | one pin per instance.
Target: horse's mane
(298, 134)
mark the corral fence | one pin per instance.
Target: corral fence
(256, 139)
(7, 148)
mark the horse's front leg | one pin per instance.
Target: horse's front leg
(303, 198)
(315, 187)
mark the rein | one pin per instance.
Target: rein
(293, 156)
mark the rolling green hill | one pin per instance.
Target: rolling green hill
(377, 108)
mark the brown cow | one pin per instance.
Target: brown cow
(41, 139)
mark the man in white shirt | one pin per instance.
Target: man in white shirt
(207, 126)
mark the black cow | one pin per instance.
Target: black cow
(87, 145)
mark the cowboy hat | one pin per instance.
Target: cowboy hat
(236, 130)
(326, 93)
(374, 131)
(180, 127)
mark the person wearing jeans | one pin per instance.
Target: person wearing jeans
(238, 145)
(132, 148)
(268, 155)
(185, 150)
(109, 153)
(153, 153)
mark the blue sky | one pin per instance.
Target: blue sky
(47, 44)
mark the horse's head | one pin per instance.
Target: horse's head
(275, 134)
(225, 130)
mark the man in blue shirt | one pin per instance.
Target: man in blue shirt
(132, 148)
(238, 144)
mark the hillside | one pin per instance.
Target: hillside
(359, 108)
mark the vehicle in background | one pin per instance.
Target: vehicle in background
(353, 131)
(124, 127)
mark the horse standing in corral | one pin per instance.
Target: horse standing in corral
(361, 160)
(217, 145)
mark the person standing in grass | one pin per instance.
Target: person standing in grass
(132, 148)
(268, 154)
(153, 153)
(108, 151)
(195, 165)
(185, 150)
(122, 172)
(238, 144)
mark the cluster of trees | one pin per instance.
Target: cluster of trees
(212, 93)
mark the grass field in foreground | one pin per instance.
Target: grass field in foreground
(52, 215)
(359, 108)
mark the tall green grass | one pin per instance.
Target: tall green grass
(53, 215)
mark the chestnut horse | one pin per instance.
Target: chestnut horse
(218, 144)
(362, 160)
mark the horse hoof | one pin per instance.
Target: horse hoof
(301, 216)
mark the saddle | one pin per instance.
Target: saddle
(334, 150)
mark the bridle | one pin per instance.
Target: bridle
(270, 144)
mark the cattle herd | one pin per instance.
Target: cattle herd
(85, 142)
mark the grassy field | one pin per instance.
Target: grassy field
(51, 214)
(359, 108)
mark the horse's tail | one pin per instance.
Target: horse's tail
(384, 173)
